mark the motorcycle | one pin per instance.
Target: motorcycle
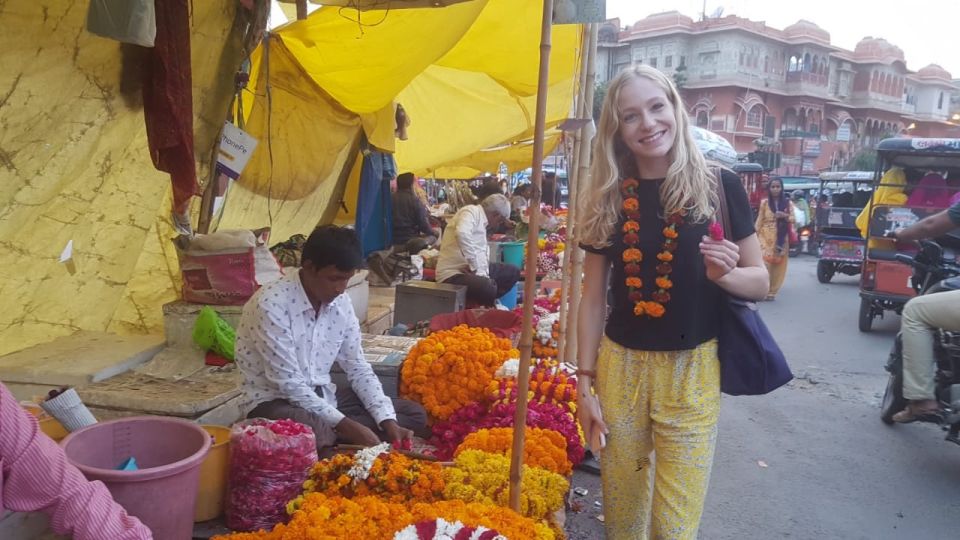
(935, 270)
(803, 243)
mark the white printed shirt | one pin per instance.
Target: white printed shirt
(285, 350)
(464, 245)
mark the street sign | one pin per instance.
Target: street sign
(843, 134)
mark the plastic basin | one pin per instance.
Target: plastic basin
(509, 298)
(163, 492)
(513, 252)
(213, 475)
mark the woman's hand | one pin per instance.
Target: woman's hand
(782, 215)
(591, 420)
(719, 256)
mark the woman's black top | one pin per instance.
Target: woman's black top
(692, 314)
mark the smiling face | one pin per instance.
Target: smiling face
(648, 124)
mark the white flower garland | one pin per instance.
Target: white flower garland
(447, 531)
(545, 329)
(363, 461)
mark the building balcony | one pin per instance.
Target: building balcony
(806, 78)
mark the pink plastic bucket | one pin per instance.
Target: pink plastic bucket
(163, 492)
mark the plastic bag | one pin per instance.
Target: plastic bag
(212, 333)
(129, 21)
(269, 462)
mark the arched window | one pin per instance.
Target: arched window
(940, 101)
(703, 119)
(806, 62)
(794, 66)
(755, 117)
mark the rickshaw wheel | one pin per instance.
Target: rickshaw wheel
(865, 322)
(824, 271)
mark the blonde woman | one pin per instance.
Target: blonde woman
(650, 378)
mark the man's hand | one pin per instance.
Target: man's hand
(354, 432)
(399, 436)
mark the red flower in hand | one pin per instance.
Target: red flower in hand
(716, 231)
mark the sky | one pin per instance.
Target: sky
(926, 30)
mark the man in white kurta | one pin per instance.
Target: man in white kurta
(291, 333)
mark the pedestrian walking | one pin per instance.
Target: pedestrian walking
(774, 220)
(649, 378)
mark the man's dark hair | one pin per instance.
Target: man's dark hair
(405, 180)
(329, 245)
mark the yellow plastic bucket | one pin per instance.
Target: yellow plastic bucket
(48, 424)
(213, 475)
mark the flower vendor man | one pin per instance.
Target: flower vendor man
(36, 476)
(464, 258)
(290, 334)
(411, 223)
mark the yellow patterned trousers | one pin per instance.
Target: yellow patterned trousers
(666, 403)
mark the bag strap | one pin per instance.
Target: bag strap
(722, 195)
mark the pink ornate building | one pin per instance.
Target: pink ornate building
(790, 88)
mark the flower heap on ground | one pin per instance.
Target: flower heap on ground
(543, 448)
(321, 517)
(389, 475)
(483, 477)
(452, 368)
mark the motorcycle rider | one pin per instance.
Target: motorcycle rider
(921, 316)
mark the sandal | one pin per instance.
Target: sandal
(914, 413)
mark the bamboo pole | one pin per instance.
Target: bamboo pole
(529, 286)
(573, 233)
(572, 181)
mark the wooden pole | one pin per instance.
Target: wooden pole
(301, 10)
(573, 233)
(572, 181)
(529, 286)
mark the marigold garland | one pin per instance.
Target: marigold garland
(547, 385)
(543, 448)
(478, 476)
(371, 518)
(451, 368)
(393, 476)
(632, 255)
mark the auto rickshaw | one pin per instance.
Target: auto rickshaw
(839, 200)
(754, 183)
(909, 185)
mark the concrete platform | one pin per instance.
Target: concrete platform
(77, 360)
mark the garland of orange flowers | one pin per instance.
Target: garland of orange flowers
(479, 476)
(544, 448)
(371, 518)
(451, 368)
(633, 256)
(393, 477)
(548, 384)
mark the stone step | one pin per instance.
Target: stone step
(76, 360)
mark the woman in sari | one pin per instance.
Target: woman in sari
(773, 229)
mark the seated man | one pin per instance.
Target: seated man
(292, 331)
(411, 225)
(464, 254)
(921, 316)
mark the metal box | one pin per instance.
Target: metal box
(417, 300)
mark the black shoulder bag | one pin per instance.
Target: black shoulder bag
(751, 362)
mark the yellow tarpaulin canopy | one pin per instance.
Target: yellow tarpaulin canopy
(74, 164)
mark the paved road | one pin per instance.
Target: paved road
(834, 471)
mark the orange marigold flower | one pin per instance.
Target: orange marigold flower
(634, 282)
(632, 255)
(665, 256)
(631, 226)
(631, 205)
(664, 282)
(670, 232)
(655, 309)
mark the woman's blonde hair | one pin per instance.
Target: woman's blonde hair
(689, 184)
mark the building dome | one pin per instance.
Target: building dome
(662, 21)
(806, 29)
(871, 49)
(933, 71)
